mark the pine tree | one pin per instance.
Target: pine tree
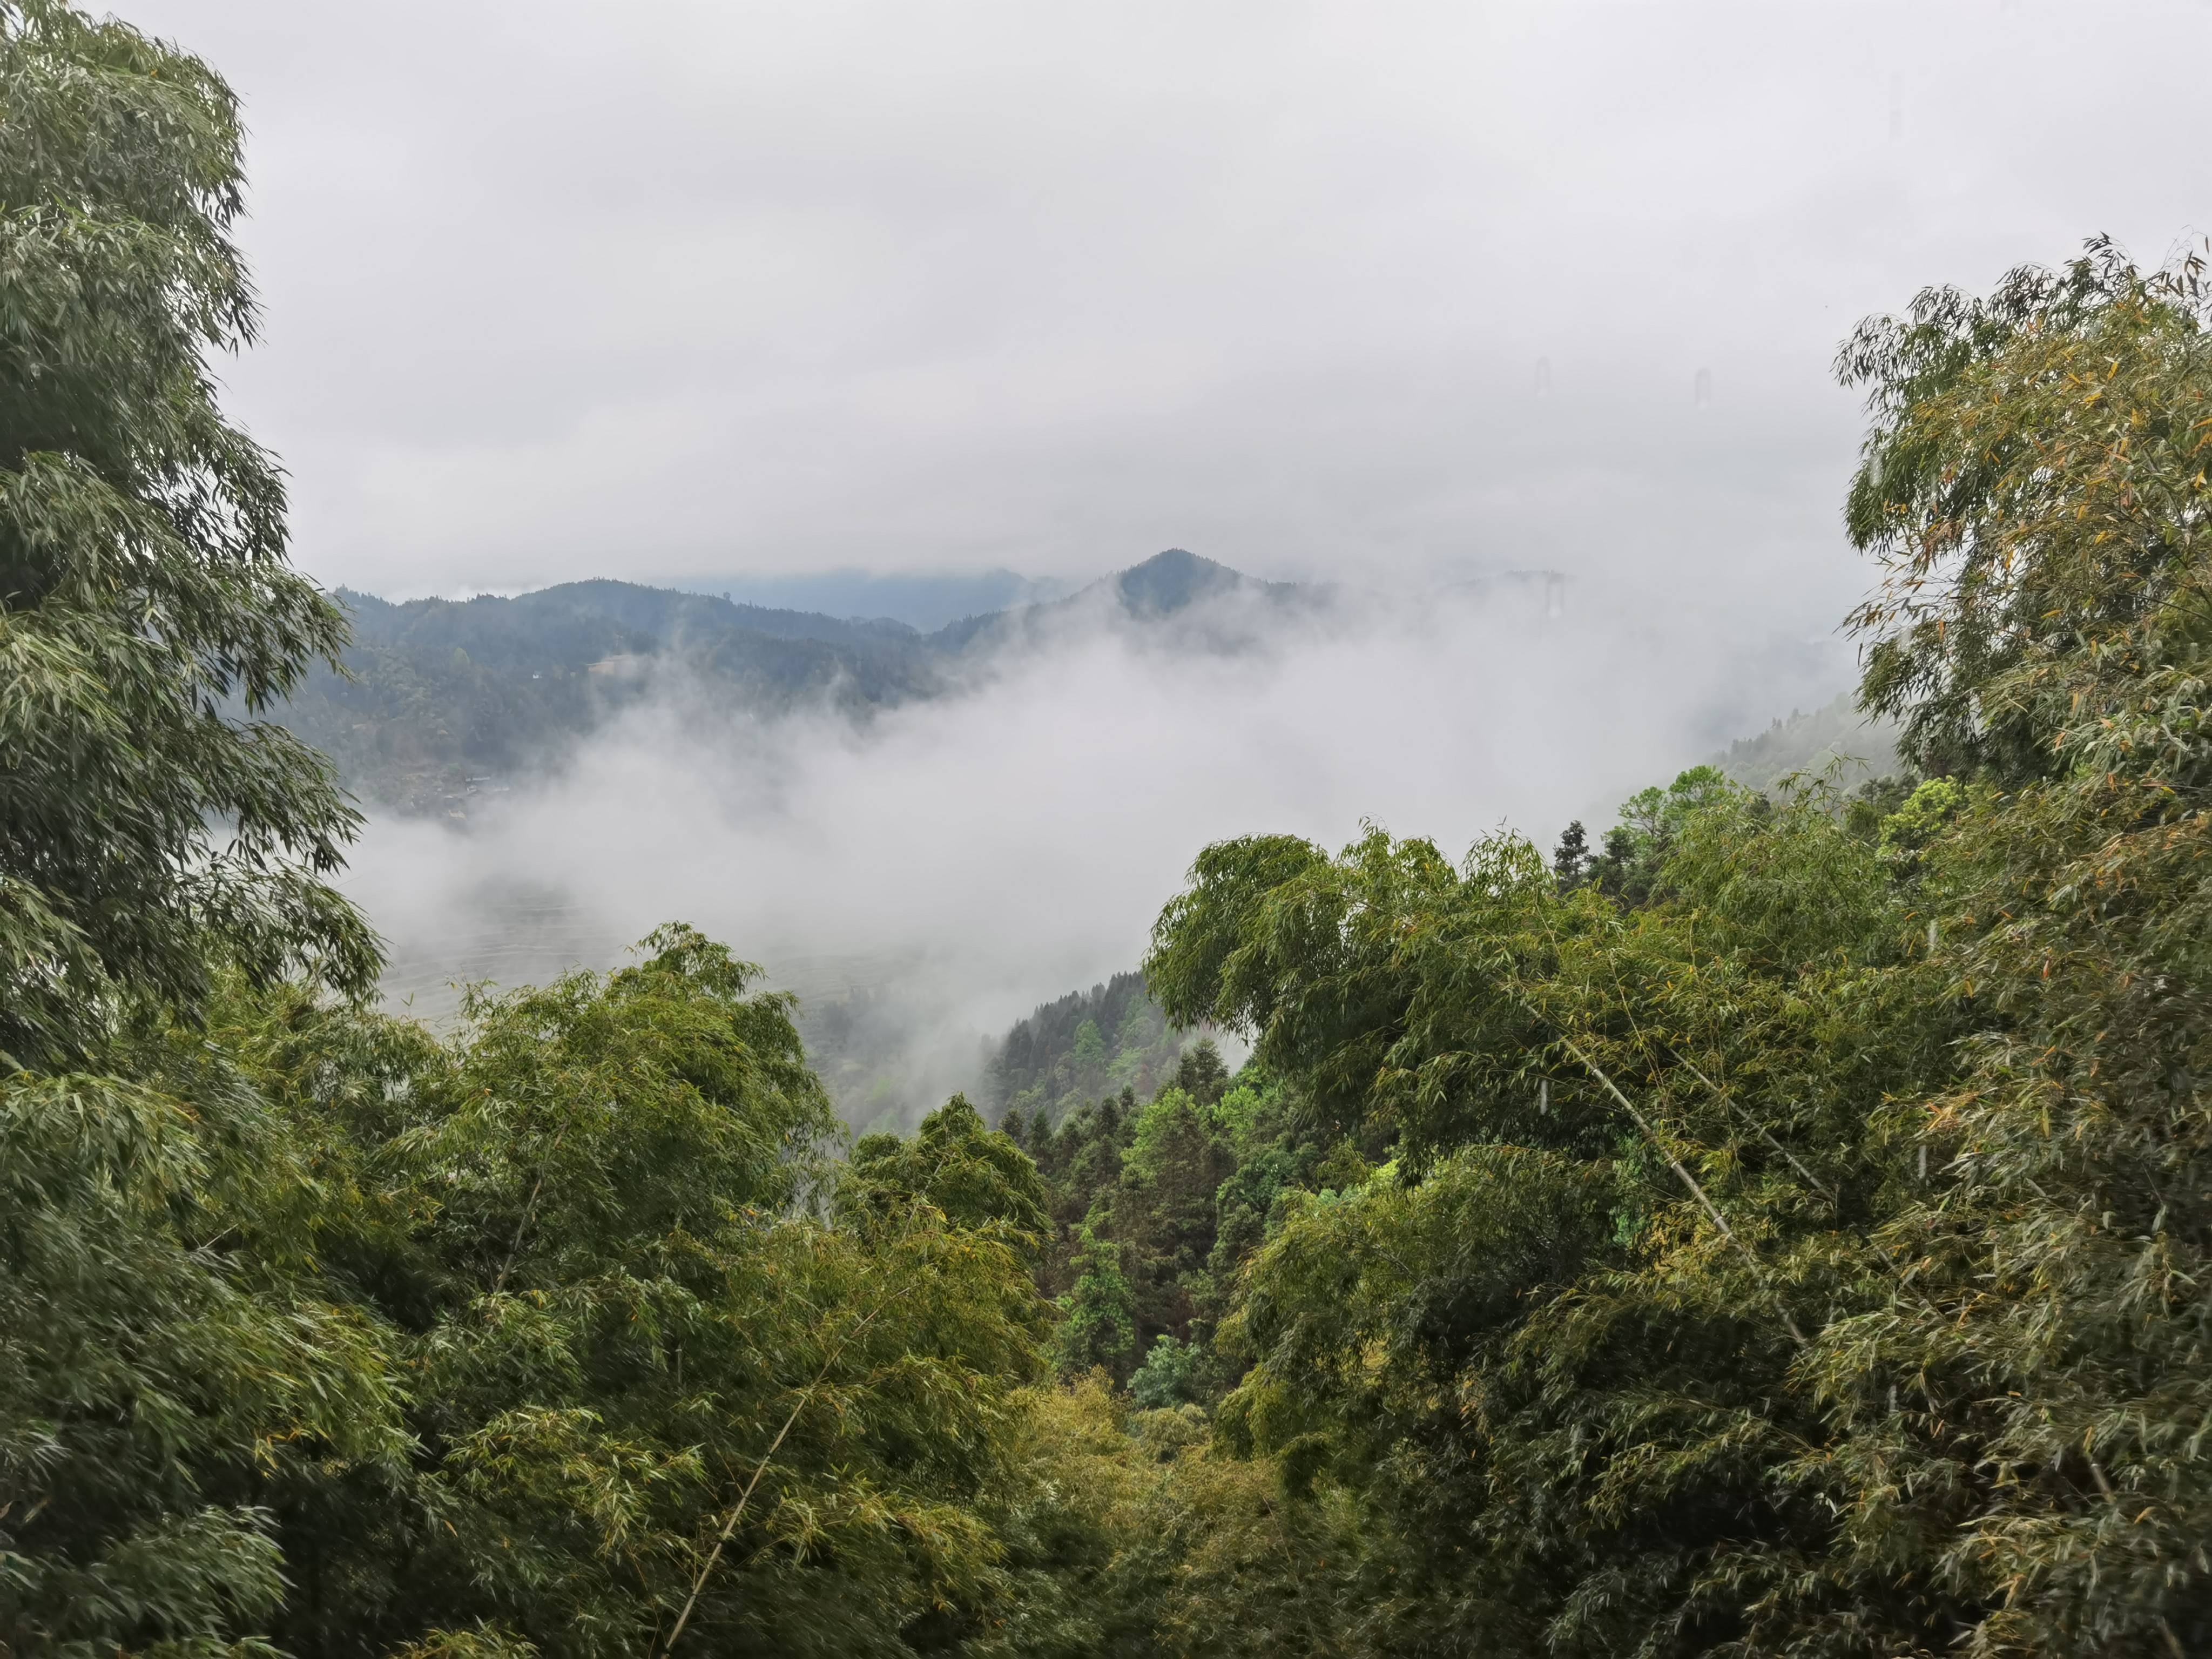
(1200, 1074)
(1570, 859)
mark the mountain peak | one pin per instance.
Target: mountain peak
(1171, 580)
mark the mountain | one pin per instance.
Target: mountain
(926, 601)
(1162, 589)
(442, 699)
(1835, 742)
(1177, 580)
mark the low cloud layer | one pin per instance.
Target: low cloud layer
(965, 858)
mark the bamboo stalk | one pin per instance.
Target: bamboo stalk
(730, 1524)
(1683, 1174)
(1817, 1184)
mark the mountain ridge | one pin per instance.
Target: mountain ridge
(442, 699)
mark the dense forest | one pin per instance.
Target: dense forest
(1083, 1047)
(1779, 1226)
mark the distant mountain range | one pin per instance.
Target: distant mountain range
(444, 698)
(445, 701)
(926, 601)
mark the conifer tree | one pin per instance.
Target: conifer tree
(1570, 859)
(1200, 1074)
(1099, 1317)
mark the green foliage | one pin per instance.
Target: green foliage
(1169, 1378)
(1539, 1269)
(1637, 848)
(156, 1369)
(2033, 490)
(156, 1366)
(640, 1312)
(1796, 1239)
(977, 1177)
(1086, 1044)
(1155, 1207)
(1784, 1231)
(142, 581)
(2036, 485)
(1905, 833)
(1098, 1323)
(1570, 857)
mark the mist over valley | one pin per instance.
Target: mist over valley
(986, 831)
(927, 835)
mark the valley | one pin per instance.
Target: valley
(534, 765)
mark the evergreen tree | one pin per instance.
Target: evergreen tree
(1200, 1074)
(1570, 859)
(1098, 1317)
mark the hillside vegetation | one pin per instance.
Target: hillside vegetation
(1086, 1045)
(1784, 1231)
(432, 703)
(1835, 744)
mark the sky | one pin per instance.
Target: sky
(1378, 290)
(1385, 293)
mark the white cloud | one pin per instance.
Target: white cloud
(975, 855)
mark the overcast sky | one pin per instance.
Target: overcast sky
(671, 288)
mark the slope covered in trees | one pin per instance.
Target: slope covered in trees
(1799, 1246)
(1835, 744)
(1084, 1045)
(431, 700)
(1781, 1229)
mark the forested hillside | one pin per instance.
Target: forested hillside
(432, 703)
(1783, 1230)
(923, 600)
(1835, 744)
(438, 695)
(1088, 1044)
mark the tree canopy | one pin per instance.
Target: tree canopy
(1796, 1236)
(145, 830)
(1782, 1228)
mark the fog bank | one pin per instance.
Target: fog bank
(937, 871)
